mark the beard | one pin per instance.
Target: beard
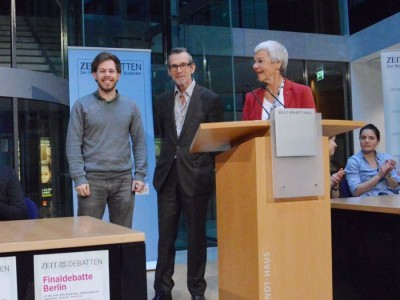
(106, 87)
(183, 81)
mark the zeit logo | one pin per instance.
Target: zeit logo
(393, 59)
(127, 66)
(85, 66)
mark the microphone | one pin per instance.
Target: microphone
(265, 87)
(258, 100)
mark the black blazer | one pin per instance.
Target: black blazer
(195, 170)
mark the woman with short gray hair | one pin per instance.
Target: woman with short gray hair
(275, 91)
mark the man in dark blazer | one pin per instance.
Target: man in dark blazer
(184, 181)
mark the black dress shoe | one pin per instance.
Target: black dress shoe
(198, 298)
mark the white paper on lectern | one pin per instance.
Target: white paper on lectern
(8, 278)
(295, 132)
(74, 275)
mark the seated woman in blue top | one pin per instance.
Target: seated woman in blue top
(368, 172)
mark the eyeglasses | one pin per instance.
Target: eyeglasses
(183, 67)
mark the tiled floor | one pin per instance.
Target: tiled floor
(180, 291)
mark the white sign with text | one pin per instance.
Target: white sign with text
(8, 278)
(74, 275)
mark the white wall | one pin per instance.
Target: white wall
(366, 77)
(367, 97)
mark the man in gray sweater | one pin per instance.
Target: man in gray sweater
(103, 127)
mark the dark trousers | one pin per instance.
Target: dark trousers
(171, 201)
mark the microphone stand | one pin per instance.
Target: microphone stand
(259, 101)
(265, 87)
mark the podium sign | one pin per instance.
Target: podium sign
(294, 132)
(296, 142)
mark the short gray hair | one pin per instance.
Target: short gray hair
(179, 50)
(276, 51)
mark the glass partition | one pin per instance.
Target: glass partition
(41, 152)
(43, 165)
(38, 35)
(316, 16)
(212, 51)
(329, 83)
(5, 34)
(376, 10)
(120, 24)
(6, 132)
(320, 16)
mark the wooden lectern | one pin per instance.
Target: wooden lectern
(267, 248)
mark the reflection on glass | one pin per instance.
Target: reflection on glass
(38, 31)
(317, 16)
(376, 10)
(42, 131)
(45, 171)
(331, 95)
(45, 154)
(6, 132)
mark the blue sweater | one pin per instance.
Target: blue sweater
(100, 137)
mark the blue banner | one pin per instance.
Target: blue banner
(135, 82)
(390, 63)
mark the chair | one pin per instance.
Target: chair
(344, 189)
(33, 211)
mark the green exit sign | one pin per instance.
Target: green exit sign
(320, 75)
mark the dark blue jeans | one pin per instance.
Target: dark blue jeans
(116, 193)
